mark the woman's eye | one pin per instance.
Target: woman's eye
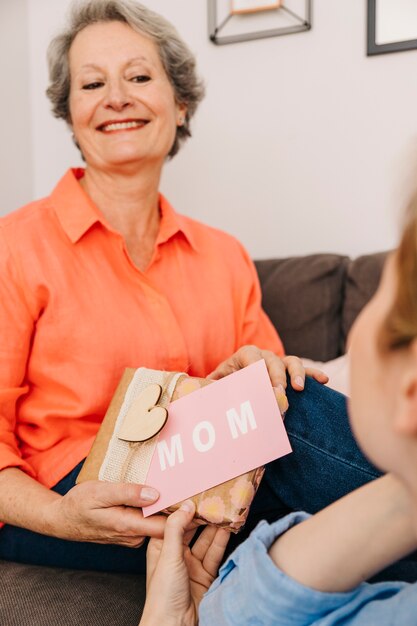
(95, 85)
(142, 78)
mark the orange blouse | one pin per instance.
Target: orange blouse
(75, 311)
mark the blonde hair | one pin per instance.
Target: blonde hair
(177, 60)
(400, 326)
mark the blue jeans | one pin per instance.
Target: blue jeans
(325, 464)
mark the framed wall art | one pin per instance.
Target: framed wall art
(232, 21)
(392, 26)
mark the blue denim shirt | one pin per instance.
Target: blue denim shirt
(252, 591)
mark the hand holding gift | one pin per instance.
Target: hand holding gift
(178, 576)
(211, 449)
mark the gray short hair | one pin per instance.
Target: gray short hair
(177, 60)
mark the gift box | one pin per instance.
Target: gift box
(127, 437)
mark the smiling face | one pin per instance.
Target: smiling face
(122, 105)
(383, 403)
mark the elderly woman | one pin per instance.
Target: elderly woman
(104, 274)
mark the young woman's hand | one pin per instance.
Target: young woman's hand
(277, 369)
(178, 576)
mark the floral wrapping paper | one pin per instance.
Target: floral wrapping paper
(226, 505)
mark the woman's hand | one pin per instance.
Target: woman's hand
(277, 370)
(104, 512)
(177, 576)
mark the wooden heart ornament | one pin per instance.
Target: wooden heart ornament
(144, 418)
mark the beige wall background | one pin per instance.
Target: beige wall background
(300, 145)
(16, 178)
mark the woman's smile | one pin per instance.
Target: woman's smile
(119, 87)
(113, 126)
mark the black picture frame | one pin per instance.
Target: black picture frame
(375, 48)
(303, 23)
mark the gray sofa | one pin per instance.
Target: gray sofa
(312, 301)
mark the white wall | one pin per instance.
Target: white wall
(15, 143)
(299, 144)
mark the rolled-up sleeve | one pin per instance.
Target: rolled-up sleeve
(252, 591)
(16, 330)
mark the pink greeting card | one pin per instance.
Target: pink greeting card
(217, 433)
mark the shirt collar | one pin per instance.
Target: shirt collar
(74, 209)
(173, 223)
(77, 212)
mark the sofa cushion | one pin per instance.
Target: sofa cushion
(362, 280)
(303, 297)
(44, 596)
